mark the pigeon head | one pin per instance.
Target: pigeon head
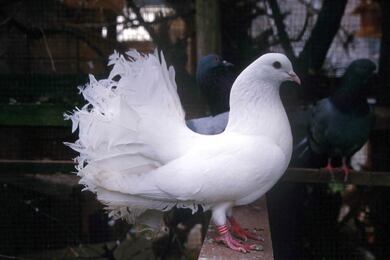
(275, 67)
(255, 97)
(215, 77)
(358, 73)
(264, 75)
(356, 77)
(208, 64)
(354, 89)
(362, 66)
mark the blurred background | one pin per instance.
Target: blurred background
(47, 50)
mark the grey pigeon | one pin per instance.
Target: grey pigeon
(214, 77)
(340, 124)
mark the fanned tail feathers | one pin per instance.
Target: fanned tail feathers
(117, 127)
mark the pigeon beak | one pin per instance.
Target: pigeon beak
(227, 64)
(294, 77)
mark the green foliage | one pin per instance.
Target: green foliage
(34, 114)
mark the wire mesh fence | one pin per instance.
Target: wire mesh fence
(48, 48)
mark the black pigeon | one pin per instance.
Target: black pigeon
(340, 124)
(215, 78)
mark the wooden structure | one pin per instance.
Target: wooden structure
(52, 178)
(253, 216)
(208, 36)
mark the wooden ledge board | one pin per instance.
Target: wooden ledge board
(251, 216)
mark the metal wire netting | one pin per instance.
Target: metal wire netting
(48, 48)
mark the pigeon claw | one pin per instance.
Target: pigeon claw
(245, 235)
(237, 245)
(231, 243)
(256, 247)
(241, 233)
(345, 169)
(329, 168)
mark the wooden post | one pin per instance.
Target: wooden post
(384, 59)
(208, 32)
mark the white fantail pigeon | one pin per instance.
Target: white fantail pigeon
(138, 155)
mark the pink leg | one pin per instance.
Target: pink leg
(330, 168)
(345, 169)
(241, 233)
(226, 238)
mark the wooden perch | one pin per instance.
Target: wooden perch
(304, 175)
(253, 216)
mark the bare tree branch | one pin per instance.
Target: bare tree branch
(75, 32)
(257, 12)
(300, 34)
(328, 23)
(283, 36)
(304, 27)
(48, 50)
(141, 20)
(314, 52)
(348, 35)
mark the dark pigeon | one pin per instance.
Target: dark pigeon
(215, 78)
(339, 125)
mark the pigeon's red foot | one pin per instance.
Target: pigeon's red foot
(226, 238)
(241, 233)
(345, 169)
(329, 168)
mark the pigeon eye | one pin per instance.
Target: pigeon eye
(277, 65)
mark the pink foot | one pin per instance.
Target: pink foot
(241, 233)
(329, 168)
(345, 169)
(227, 239)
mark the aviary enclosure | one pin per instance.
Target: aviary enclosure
(49, 47)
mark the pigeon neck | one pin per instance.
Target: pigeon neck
(256, 109)
(347, 100)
